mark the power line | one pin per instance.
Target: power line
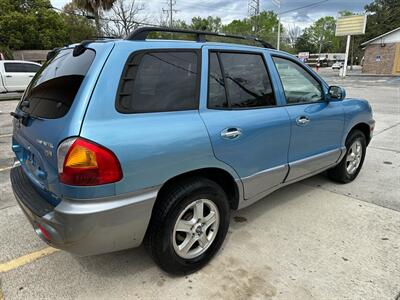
(305, 6)
(253, 10)
(170, 11)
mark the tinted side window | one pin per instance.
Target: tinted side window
(247, 79)
(298, 84)
(216, 84)
(31, 68)
(159, 81)
(14, 67)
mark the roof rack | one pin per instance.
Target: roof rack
(141, 33)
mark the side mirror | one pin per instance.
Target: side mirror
(336, 93)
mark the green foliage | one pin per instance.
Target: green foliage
(6, 52)
(96, 8)
(267, 25)
(206, 24)
(320, 37)
(78, 28)
(384, 16)
(32, 24)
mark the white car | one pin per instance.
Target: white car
(337, 66)
(15, 75)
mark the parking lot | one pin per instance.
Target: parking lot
(312, 240)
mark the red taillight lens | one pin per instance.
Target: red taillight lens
(82, 162)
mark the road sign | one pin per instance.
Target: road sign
(348, 26)
(351, 25)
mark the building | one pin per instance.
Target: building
(38, 56)
(382, 54)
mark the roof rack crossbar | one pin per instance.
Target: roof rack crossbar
(141, 33)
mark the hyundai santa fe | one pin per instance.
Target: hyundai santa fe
(124, 142)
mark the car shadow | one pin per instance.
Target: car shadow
(137, 260)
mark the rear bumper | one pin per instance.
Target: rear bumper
(86, 227)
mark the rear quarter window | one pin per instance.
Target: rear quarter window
(159, 81)
(54, 87)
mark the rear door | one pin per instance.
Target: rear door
(249, 130)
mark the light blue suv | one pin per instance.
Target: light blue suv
(120, 142)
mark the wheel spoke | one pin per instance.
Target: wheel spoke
(350, 157)
(198, 210)
(187, 244)
(209, 220)
(203, 240)
(184, 226)
(192, 237)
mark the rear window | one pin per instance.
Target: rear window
(53, 89)
(159, 81)
(21, 68)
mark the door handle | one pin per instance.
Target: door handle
(8, 76)
(231, 133)
(31, 76)
(302, 120)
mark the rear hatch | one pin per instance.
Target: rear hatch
(51, 110)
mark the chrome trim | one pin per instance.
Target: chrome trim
(231, 133)
(250, 201)
(305, 166)
(263, 180)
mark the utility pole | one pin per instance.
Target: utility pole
(170, 11)
(278, 4)
(253, 11)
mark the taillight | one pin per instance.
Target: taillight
(82, 162)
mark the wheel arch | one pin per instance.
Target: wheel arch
(218, 175)
(364, 128)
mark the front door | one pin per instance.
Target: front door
(248, 130)
(316, 124)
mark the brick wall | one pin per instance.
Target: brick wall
(385, 65)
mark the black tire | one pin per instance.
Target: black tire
(340, 173)
(159, 236)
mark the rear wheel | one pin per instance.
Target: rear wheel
(349, 168)
(188, 226)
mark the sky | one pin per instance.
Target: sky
(229, 10)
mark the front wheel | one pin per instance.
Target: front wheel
(188, 226)
(350, 166)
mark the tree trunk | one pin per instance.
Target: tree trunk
(97, 21)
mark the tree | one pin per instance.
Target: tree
(206, 24)
(266, 30)
(293, 33)
(320, 37)
(30, 25)
(95, 7)
(124, 18)
(384, 16)
(78, 27)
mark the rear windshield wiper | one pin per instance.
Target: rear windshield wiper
(24, 117)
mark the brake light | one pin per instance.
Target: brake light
(82, 162)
